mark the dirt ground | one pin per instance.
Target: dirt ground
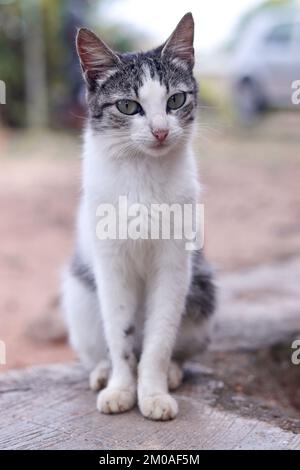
(251, 191)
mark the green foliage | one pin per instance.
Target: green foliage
(11, 62)
(59, 50)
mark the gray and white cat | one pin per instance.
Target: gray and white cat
(136, 309)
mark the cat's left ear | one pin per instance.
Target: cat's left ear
(180, 43)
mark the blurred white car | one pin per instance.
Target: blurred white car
(265, 63)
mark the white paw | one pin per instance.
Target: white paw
(114, 400)
(160, 406)
(99, 376)
(175, 376)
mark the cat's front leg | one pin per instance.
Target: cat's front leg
(167, 290)
(117, 289)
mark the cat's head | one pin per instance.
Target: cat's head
(143, 102)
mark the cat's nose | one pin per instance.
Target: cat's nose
(160, 134)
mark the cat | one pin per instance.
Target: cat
(136, 309)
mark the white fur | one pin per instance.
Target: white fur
(141, 282)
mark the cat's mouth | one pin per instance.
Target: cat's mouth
(158, 145)
(158, 149)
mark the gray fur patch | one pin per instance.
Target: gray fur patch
(201, 299)
(129, 331)
(126, 356)
(82, 272)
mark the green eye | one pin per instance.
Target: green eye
(129, 107)
(176, 101)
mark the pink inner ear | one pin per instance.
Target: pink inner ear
(95, 56)
(180, 43)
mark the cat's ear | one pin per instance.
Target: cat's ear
(96, 58)
(180, 43)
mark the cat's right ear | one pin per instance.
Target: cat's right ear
(96, 58)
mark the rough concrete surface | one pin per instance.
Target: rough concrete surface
(242, 394)
(52, 408)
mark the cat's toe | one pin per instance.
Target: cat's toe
(111, 400)
(99, 376)
(160, 407)
(175, 376)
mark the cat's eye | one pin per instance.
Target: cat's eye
(129, 107)
(176, 101)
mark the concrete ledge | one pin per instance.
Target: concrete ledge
(52, 408)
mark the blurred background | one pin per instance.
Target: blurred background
(248, 141)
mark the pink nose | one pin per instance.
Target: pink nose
(160, 134)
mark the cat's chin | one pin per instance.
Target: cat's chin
(157, 151)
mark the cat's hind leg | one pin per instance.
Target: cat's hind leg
(194, 332)
(82, 316)
(175, 375)
(100, 375)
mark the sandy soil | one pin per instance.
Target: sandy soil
(252, 215)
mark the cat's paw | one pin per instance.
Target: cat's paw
(175, 375)
(99, 376)
(115, 400)
(160, 407)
